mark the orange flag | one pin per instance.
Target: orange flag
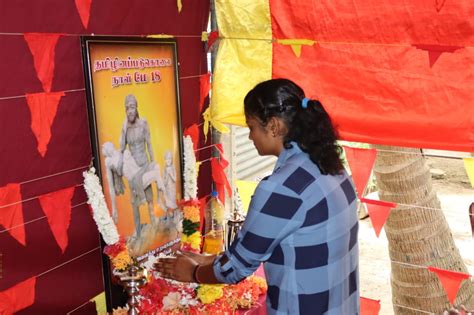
(11, 212)
(369, 306)
(84, 9)
(205, 87)
(451, 281)
(42, 46)
(219, 177)
(193, 132)
(361, 161)
(435, 51)
(57, 207)
(43, 108)
(213, 36)
(18, 297)
(378, 212)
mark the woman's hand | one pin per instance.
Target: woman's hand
(200, 258)
(180, 268)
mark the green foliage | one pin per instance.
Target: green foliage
(189, 227)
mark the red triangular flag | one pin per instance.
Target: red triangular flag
(204, 88)
(18, 297)
(42, 47)
(361, 161)
(193, 132)
(220, 179)
(11, 212)
(378, 212)
(213, 36)
(451, 281)
(369, 306)
(434, 51)
(84, 10)
(222, 159)
(57, 207)
(43, 109)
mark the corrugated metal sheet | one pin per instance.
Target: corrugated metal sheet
(248, 164)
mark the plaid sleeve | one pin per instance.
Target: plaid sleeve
(273, 215)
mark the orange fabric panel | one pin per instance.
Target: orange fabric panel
(389, 72)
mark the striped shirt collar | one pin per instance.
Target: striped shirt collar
(286, 154)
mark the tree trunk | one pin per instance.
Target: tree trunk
(417, 236)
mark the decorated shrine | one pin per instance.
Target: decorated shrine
(112, 114)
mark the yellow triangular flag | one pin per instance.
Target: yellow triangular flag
(198, 165)
(204, 36)
(100, 305)
(160, 36)
(216, 124)
(296, 44)
(469, 166)
(180, 6)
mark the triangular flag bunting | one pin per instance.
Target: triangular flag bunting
(100, 305)
(469, 166)
(205, 87)
(42, 47)
(369, 306)
(11, 212)
(84, 9)
(18, 297)
(43, 109)
(193, 132)
(160, 36)
(220, 179)
(361, 161)
(378, 212)
(296, 44)
(57, 207)
(434, 51)
(213, 36)
(451, 281)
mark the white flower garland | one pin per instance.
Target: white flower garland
(190, 172)
(100, 211)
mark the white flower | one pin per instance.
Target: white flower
(190, 174)
(171, 301)
(101, 213)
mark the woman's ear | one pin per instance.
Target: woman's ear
(276, 126)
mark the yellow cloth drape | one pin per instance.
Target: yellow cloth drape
(244, 57)
(469, 165)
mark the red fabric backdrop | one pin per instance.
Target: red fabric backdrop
(390, 72)
(71, 285)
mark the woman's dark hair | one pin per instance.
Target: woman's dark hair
(310, 127)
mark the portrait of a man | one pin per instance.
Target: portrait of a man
(138, 138)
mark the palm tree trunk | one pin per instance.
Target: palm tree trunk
(417, 236)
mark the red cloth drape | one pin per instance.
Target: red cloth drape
(11, 216)
(370, 67)
(57, 207)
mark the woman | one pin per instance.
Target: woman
(302, 221)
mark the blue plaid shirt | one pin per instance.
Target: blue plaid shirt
(303, 225)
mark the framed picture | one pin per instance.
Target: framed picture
(135, 126)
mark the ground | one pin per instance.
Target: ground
(456, 194)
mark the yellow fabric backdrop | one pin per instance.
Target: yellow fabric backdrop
(244, 57)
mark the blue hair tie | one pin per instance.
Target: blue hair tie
(304, 102)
